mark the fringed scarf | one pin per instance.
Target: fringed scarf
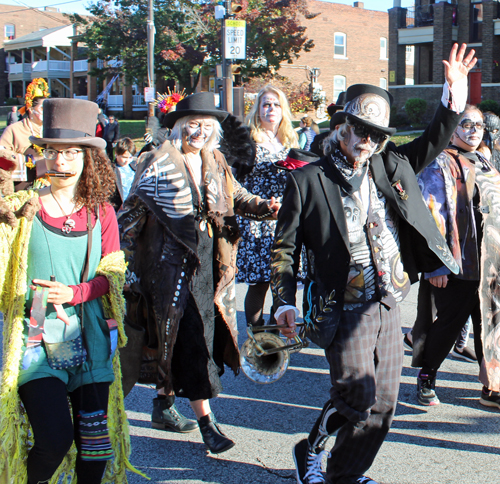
(14, 425)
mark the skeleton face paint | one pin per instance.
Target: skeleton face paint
(470, 136)
(270, 112)
(357, 150)
(196, 134)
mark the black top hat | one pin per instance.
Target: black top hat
(69, 121)
(297, 158)
(334, 107)
(201, 103)
(367, 105)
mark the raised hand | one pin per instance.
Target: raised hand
(457, 67)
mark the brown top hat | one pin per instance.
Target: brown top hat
(69, 121)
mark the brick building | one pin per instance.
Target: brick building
(351, 46)
(431, 29)
(17, 21)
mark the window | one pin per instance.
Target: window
(383, 48)
(338, 86)
(339, 49)
(476, 20)
(9, 31)
(383, 83)
(410, 55)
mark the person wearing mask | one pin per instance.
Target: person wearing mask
(16, 139)
(179, 233)
(271, 129)
(367, 233)
(461, 188)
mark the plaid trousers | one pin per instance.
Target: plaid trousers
(365, 359)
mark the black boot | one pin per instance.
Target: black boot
(212, 435)
(169, 418)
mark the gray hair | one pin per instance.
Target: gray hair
(339, 134)
(178, 131)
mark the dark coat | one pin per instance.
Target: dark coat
(162, 254)
(112, 132)
(312, 214)
(12, 117)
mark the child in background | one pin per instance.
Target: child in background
(125, 166)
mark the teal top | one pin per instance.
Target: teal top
(64, 256)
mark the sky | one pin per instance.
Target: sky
(78, 6)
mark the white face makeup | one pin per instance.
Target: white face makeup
(37, 114)
(470, 136)
(196, 133)
(357, 150)
(270, 112)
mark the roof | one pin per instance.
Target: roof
(56, 36)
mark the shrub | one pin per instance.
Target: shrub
(415, 109)
(397, 120)
(489, 105)
(12, 101)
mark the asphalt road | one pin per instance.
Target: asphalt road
(455, 442)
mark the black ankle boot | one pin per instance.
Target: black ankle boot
(212, 435)
(171, 419)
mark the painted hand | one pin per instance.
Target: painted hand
(456, 67)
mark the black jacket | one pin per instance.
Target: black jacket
(312, 214)
(111, 132)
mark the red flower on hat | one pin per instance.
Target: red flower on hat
(166, 102)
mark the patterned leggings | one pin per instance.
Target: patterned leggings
(46, 403)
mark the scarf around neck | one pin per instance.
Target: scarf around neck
(347, 177)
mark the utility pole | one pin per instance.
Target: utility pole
(227, 75)
(151, 48)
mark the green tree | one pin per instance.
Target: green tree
(188, 37)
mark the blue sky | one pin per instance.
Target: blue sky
(79, 5)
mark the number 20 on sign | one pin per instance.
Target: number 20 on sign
(235, 39)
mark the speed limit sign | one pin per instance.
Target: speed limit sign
(235, 39)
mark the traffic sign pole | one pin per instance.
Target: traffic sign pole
(227, 78)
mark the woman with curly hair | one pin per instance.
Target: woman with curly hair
(59, 343)
(271, 128)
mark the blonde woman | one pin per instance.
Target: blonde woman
(271, 128)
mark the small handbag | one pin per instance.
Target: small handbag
(66, 353)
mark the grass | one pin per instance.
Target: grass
(133, 129)
(402, 139)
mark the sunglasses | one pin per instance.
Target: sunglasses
(468, 124)
(365, 132)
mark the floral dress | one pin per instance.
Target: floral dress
(257, 238)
